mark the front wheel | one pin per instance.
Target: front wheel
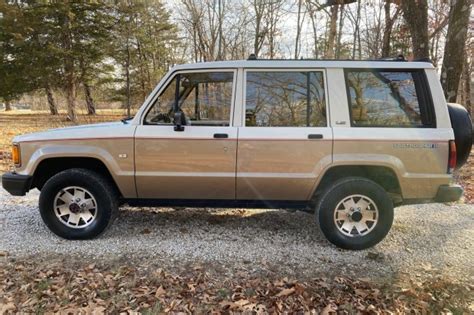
(78, 204)
(355, 213)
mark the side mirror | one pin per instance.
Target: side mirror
(179, 121)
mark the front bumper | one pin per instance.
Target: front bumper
(16, 184)
(449, 193)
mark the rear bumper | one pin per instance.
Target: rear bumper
(448, 193)
(445, 193)
(16, 184)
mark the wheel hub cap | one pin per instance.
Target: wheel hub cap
(75, 207)
(356, 215)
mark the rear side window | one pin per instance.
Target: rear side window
(388, 98)
(285, 99)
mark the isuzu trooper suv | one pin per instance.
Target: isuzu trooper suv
(349, 140)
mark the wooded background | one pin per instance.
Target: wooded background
(87, 55)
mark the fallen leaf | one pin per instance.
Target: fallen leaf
(286, 292)
(329, 309)
(160, 291)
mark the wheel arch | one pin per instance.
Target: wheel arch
(51, 166)
(383, 175)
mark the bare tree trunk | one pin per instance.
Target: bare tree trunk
(332, 32)
(87, 89)
(464, 85)
(70, 80)
(467, 86)
(454, 49)
(259, 8)
(314, 24)
(127, 76)
(89, 100)
(356, 31)
(298, 29)
(387, 32)
(53, 109)
(272, 17)
(339, 35)
(71, 98)
(416, 16)
(7, 106)
(434, 55)
(220, 53)
(195, 45)
(127, 66)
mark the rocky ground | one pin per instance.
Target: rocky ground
(232, 247)
(423, 238)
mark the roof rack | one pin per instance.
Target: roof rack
(401, 58)
(252, 57)
(397, 58)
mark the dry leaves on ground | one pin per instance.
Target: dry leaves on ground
(28, 287)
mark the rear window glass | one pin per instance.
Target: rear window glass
(285, 99)
(386, 99)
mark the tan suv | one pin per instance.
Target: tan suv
(347, 139)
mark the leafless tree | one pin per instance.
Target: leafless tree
(260, 30)
(332, 31)
(415, 13)
(389, 21)
(453, 59)
(299, 25)
(355, 20)
(204, 20)
(372, 39)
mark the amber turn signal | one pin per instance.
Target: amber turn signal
(16, 154)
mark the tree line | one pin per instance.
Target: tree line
(73, 46)
(117, 51)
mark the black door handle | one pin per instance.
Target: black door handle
(221, 135)
(315, 136)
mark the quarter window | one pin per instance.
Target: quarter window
(285, 99)
(205, 98)
(387, 99)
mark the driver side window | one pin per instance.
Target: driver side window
(204, 98)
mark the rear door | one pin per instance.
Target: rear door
(389, 119)
(285, 141)
(198, 162)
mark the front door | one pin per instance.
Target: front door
(286, 142)
(198, 162)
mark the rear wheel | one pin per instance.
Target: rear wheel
(78, 204)
(355, 213)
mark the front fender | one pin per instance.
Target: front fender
(117, 154)
(61, 151)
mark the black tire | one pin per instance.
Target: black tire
(342, 189)
(463, 133)
(99, 187)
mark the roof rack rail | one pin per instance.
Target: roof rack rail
(426, 59)
(252, 57)
(397, 58)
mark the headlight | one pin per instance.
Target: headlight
(16, 157)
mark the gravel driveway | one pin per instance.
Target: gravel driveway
(426, 239)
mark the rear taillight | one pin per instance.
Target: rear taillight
(452, 156)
